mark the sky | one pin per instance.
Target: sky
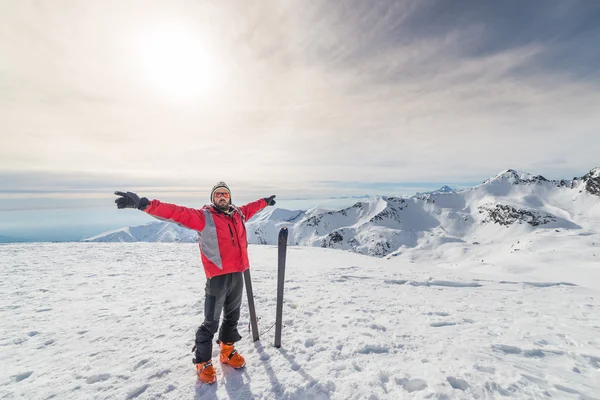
(307, 100)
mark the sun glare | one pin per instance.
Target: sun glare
(177, 64)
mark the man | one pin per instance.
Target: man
(223, 250)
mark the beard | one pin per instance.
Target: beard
(222, 204)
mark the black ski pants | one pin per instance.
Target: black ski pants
(223, 293)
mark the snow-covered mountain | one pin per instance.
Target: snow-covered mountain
(510, 205)
(443, 189)
(151, 232)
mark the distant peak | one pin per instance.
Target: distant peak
(445, 189)
(516, 177)
(513, 173)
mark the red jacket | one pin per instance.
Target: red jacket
(221, 236)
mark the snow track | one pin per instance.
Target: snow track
(106, 321)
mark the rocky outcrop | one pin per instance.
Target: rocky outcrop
(507, 215)
(592, 181)
(331, 239)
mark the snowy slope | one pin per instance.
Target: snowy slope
(509, 205)
(151, 232)
(117, 321)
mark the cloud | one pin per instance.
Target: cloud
(347, 91)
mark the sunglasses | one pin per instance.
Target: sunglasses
(222, 194)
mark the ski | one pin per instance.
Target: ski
(281, 251)
(250, 294)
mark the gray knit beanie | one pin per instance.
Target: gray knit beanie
(220, 185)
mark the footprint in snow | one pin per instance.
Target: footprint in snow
(549, 284)
(373, 349)
(566, 389)
(353, 268)
(442, 323)
(438, 313)
(23, 376)
(507, 349)
(450, 284)
(378, 327)
(140, 364)
(395, 281)
(97, 378)
(384, 377)
(483, 368)
(413, 385)
(593, 360)
(344, 278)
(534, 353)
(457, 383)
(534, 379)
(529, 353)
(169, 388)
(137, 391)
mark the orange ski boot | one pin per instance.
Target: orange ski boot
(206, 372)
(230, 356)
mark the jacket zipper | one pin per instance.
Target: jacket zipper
(231, 232)
(243, 227)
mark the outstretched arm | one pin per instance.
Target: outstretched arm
(250, 209)
(187, 217)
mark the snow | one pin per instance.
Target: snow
(516, 318)
(166, 232)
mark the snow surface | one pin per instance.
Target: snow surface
(515, 319)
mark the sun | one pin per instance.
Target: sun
(176, 63)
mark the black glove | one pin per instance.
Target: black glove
(131, 200)
(270, 201)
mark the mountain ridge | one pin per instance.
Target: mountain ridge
(512, 203)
